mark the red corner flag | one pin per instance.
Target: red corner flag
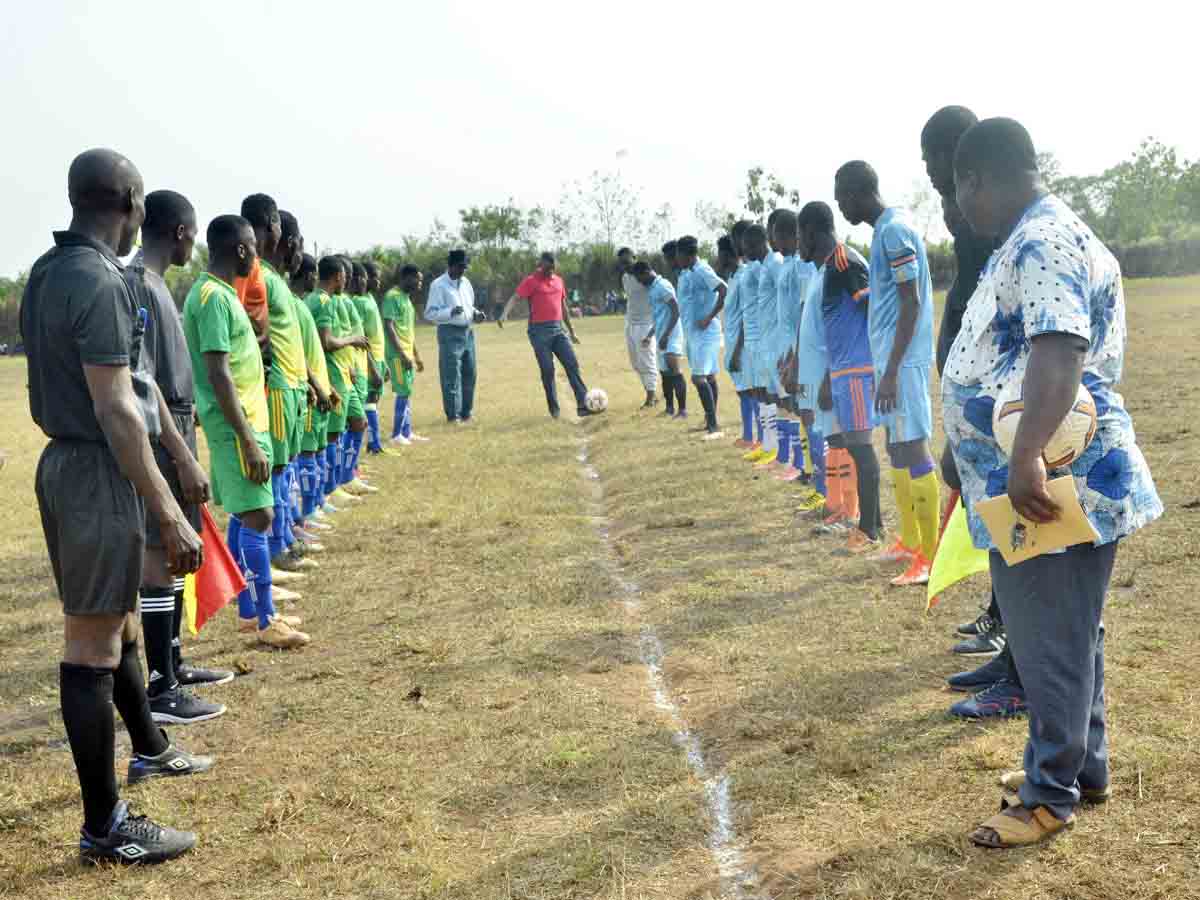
(218, 580)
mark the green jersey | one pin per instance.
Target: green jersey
(325, 313)
(398, 307)
(368, 311)
(314, 356)
(353, 328)
(214, 321)
(288, 367)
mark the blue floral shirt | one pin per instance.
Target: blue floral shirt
(1052, 275)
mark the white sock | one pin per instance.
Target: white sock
(770, 428)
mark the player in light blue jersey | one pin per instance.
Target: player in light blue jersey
(795, 398)
(900, 325)
(753, 239)
(766, 376)
(667, 333)
(755, 245)
(734, 268)
(701, 296)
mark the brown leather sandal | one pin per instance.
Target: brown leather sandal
(1016, 826)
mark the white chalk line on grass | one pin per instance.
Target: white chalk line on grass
(737, 878)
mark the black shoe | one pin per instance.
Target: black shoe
(985, 676)
(182, 707)
(971, 629)
(190, 676)
(135, 840)
(172, 762)
(985, 643)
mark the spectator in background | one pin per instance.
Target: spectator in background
(451, 306)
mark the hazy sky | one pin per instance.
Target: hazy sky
(367, 120)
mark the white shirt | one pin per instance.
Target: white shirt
(444, 295)
(637, 312)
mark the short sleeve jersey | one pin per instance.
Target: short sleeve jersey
(163, 347)
(844, 298)
(348, 324)
(660, 293)
(368, 314)
(897, 257)
(768, 295)
(545, 296)
(1051, 276)
(314, 356)
(697, 297)
(76, 310)
(214, 321)
(398, 308)
(733, 304)
(791, 290)
(324, 309)
(252, 292)
(288, 368)
(750, 275)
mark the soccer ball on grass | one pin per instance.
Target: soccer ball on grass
(596, 400)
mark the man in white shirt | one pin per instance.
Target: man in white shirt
(639, 328)
(451, 306)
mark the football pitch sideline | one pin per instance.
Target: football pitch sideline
(604, 660)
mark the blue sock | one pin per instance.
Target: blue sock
(404, 404)
(333, 453)
(816, 452)
(308, 485)
(354, 442)
(295, 493)
(256, 563)
(784, 454)
(758, 421)
(319, 484)
(799, 445)
(373, 424)
(747, 410)
(286, 491)
(344, 458)
(276, 538)
(233, 539)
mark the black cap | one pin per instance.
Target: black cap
(457, 258)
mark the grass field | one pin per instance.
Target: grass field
(474, 718)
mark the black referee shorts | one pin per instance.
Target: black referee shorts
(93, 521)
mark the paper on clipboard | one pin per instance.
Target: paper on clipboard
(1019, 539)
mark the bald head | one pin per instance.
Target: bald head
(107, 197)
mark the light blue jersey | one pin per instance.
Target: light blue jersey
(748, 278)
(768, 295)
(811, 351)
(697, 297)
(733, 306)
(898, 256)
(660, 293)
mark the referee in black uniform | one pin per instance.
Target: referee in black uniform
(82, 333)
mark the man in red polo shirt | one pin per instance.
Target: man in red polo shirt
(548, 314)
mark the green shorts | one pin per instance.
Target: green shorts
(316, 431)
(356, 407)
(295, 444)
(336, 421)
(284, 406)
(231, 488)
(402, 378)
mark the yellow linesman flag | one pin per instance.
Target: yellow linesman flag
(189, 604)
(957, 556)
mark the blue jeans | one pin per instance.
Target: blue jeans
(1053, 609)
(549, 340)
(456, 367)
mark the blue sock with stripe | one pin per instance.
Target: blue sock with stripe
(783, 454)
(816, 452)
(402, 417)
(256, 564)
(758, 419)
(233, 539)
(295, 493)
(333, 475)
(373, 424)
(344, 458)
(746, 407)
(308, 485)
(275, 541)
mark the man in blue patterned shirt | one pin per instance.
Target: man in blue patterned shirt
(1049, 313)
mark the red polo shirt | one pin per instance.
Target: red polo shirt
(545, 296)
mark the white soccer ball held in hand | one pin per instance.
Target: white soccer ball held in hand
(1069, 440)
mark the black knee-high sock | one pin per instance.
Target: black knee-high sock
(712, 386)
(129, 697)
(176, 625)
(680, 392)
(158, 618)
(867, 463)
(86, 696)
(704, 392)
(668, 383)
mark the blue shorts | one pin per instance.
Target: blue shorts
(912, 419)
(704, 353)
(854, 399)
(674, 347)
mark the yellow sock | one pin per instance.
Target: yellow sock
(924, 491)
(910, 532)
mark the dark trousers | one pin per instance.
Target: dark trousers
(993, 610)
(1053, 607)
(456, 367)
(549, 340)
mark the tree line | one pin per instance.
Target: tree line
(1146, 208)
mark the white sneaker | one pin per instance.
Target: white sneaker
(419, 439)
(400, 441)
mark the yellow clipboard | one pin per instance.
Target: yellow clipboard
(1019, 539)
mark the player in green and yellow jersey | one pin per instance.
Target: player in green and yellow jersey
(334, 329)
(368, 311)
(232, 405)
(403, 358)
(356, 424)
